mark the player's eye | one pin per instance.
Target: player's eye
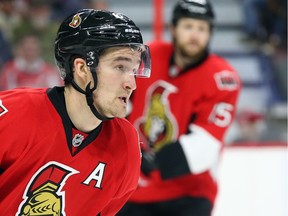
(121, 68)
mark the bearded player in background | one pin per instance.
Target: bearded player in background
(182, 113)
(69, 150)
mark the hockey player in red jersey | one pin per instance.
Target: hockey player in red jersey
(68, 150)
(185, 108)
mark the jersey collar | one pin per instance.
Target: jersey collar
(56, 96)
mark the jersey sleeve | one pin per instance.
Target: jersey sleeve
(198, 150)
(217, 112)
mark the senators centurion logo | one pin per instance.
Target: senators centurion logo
(43, 195)
(158, 125)
(76, 21)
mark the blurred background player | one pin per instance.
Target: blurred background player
(28, 68)
(182, 114)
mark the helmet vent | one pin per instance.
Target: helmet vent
(105, 34)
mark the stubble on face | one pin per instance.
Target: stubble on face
(191, 49)
(111, 104)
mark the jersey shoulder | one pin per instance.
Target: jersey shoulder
(22, 95)
(162, 47)
(126, 132)
(218, 63)
(22, 102)
(125, 129)
(222, 74)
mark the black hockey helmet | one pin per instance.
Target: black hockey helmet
(198, 9)
(87, 32)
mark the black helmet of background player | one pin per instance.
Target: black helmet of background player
(197, 9)
(86, 34)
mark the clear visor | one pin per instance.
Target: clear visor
(128, 58)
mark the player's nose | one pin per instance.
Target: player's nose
(130, 83)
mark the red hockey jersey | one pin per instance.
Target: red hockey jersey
(47, 167)
(190, 109)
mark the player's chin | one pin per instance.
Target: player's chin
(120, 113)
(193, 51)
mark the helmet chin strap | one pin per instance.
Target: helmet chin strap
(89, 95)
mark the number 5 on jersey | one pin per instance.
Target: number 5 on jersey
(221, 114)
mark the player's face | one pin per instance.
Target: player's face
(191, 36)
(29, 49)
(115, 80)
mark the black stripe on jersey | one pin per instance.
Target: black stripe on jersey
(171, 161)
(56, 96)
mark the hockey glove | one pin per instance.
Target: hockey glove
(148, 162)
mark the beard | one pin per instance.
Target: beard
(191, 50)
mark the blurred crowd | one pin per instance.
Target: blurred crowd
(265, 22)
(265, 26)
(27, 34)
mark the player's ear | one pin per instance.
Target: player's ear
(81, 69)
